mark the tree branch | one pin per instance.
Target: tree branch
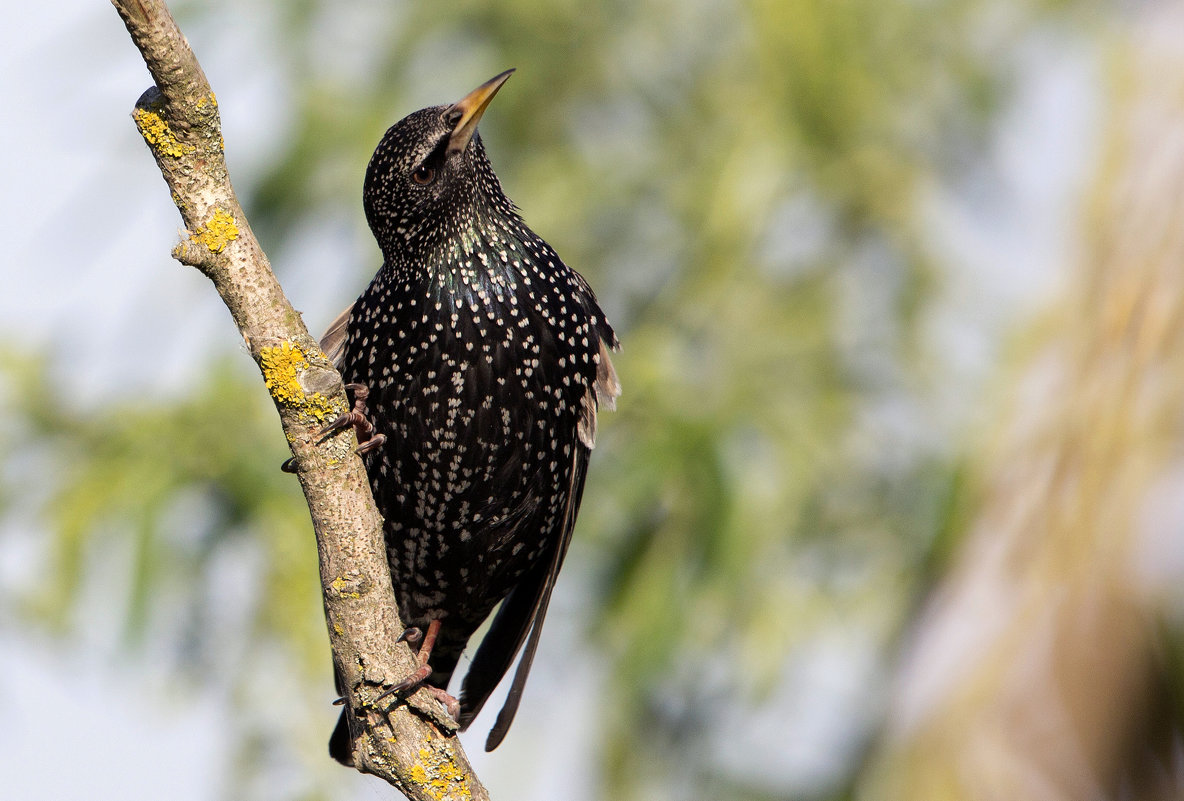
(412, 746)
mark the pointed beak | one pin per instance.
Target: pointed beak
(465, 115)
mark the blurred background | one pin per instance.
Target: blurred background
(893, 504)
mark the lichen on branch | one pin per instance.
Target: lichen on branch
(407, 745)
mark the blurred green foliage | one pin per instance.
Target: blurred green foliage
(167, 486)
(739, 181)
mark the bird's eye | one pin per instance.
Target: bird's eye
(423, 176)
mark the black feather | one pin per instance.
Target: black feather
(485, 357)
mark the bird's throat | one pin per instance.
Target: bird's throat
(477, 266)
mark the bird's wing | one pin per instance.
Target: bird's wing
(333, 340)
(603, 392)
(521, 614)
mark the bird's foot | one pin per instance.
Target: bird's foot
(409, 682)
(449, 701)
(368, 436)
(445, 719)
(426, 643)
(415, 680)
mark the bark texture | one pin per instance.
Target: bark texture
(412, 746)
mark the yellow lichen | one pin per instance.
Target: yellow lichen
(343, 588)
(439, 775)
(158, 135)
(219, 232)
(319, 407)
(281, 366)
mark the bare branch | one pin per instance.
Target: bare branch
(412, 746)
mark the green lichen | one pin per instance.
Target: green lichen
(439, 775)
(218, 232)
(281, 366)
(158, 135)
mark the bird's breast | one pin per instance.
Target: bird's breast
(477, 388)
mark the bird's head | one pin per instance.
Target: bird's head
(430, 174)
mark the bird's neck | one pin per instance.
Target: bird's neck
(478, 260)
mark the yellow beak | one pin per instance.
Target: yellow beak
(468, 111)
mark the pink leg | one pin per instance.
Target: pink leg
(420, 674)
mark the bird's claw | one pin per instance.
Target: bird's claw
(375, 441)
(368, 437)
(415, 680)
(412, 634)
(411, 685)
(451, 705)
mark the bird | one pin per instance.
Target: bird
(478, 361)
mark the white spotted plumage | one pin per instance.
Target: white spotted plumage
(486, 359)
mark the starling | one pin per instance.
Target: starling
(482, 360)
